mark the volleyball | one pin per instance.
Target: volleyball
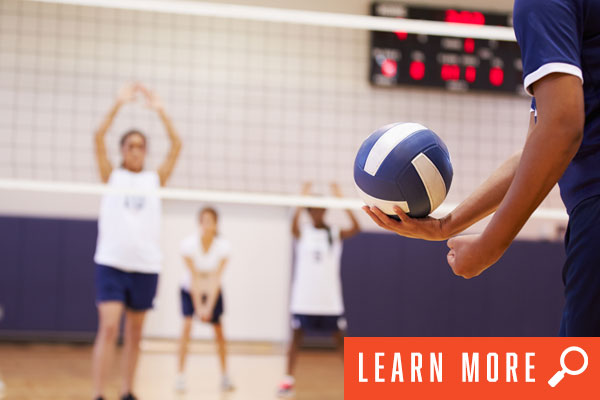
(405, 165)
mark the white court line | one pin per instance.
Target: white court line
(264, 199)
(316, 18)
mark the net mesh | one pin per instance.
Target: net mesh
(261, 106)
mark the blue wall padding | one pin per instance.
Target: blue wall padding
(392, 286)
(47, 277)
(395, 286)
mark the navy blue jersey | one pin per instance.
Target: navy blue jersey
(564, 36)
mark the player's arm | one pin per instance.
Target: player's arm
(478, 205)
(166, 168)
(552, 144)
(296, 219)
(189, 264)
(215, 287)
(221, 268)
(194, 284)
(355, 228)
(105, 167)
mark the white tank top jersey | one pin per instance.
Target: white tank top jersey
(317, 282)
(129, 226)
(203, 261)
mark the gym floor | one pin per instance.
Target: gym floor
(62, 372)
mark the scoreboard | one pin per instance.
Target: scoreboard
(459, 64)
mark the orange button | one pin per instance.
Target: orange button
(471, 368)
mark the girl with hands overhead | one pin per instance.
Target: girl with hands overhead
(128, 254)
(316, 303)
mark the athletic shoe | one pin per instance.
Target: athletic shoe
(129, 396)
(286, 388)
(226, 384)
(180, 385)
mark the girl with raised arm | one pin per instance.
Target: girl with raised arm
(316, 303)
(128, 255)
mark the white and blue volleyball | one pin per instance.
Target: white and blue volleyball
(403, 164)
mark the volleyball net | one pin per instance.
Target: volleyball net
(264, 99)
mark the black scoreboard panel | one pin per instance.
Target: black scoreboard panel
(461, 64)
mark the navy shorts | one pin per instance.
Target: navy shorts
(318, 323)
(134, 289)
(581, 273)
(187, 306)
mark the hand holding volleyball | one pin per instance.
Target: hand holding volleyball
(426, 228)
(403, 172)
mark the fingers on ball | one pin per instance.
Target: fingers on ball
(374, 217)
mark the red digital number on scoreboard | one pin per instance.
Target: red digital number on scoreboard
(465, 17)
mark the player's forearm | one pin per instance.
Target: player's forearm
(547, 152)
(213, 295)
(107, 122)
(170, 128)
(220, 270)
(296, 222)
(104, 165)
(197, 301)
(166, 168)
(189, 264)
(484, 200)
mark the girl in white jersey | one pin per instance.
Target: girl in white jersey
(128, 253)
(205, 255)
(316, 302)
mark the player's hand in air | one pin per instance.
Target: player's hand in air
(306, 187)
(152, 100)
(427, 228)
(128, 93)
(335, 189)
(469, 255)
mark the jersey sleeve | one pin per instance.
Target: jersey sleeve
(188, 246)
(549, 33)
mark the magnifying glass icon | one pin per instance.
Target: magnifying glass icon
(561, 374)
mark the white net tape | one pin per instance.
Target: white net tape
(268, 14)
